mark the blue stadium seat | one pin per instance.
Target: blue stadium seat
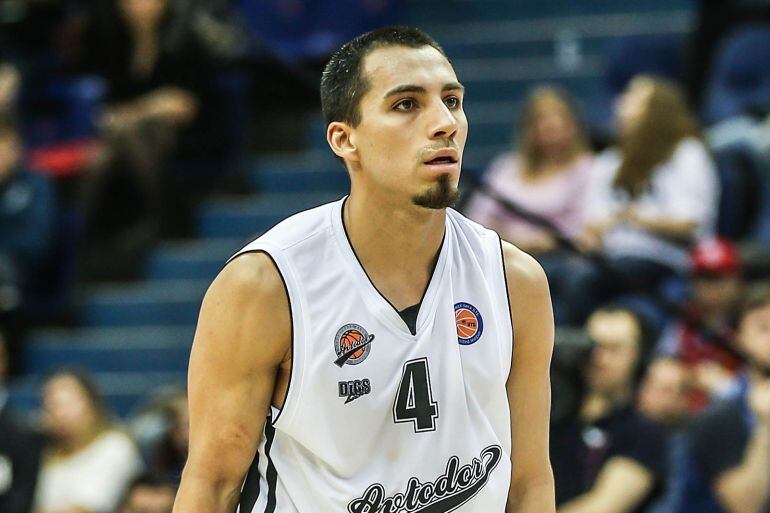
(740, 81)
(650, 54)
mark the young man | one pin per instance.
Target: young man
(702, 337)
(731, 441)
(375, 333)
(607, 458)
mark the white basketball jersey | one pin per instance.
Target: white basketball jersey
(377, 420)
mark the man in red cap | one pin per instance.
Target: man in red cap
(702, 335)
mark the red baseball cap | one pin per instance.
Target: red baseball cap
(715, 256)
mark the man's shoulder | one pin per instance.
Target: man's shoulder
(722, 414)
(522, 271)
(253, 275)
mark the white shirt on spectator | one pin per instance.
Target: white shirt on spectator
(684, 188)
(93, 478)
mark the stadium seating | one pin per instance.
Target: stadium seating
(137, 337)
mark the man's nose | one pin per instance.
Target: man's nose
(444, 123)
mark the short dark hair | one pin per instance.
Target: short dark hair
(343, 84)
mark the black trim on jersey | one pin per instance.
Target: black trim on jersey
(507, 292)
(291, 321)
(250, 490)
(272, 474)
(409, 315)
(432, 272)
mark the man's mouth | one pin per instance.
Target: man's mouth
(442, 160)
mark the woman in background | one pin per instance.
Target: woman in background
(650, 198)
(88, 462)
(546, 176)
(160, 119)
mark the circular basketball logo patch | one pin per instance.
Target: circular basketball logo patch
(470, 325)
(352, 344)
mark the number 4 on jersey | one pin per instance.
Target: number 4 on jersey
(414, 400)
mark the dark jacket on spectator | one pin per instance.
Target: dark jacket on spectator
(27, 210)
(183, 62)
(19, 462)
(579, 451)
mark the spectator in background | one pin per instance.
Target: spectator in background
(547, 176)
(10, 82)
(19, 450)
(663, 392)
(170, 454)
(663, 398)
(160, 110)
(149, 494)
(650, 198)
(608, 458)
(546, 179)
(731, 442)
(701, 338)
(88, 462)
(716, 19)
(27, 213)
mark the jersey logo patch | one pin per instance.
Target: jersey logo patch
(456, 486)
(470, 325)
(352, 344)
(354, 389)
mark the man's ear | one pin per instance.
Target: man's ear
(339, 137)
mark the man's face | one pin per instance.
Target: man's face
(754, 335)
(144, 13)
(410, 140)
(662, 396)
(615, 353)
(716, 294)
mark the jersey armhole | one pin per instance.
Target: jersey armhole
(292, 297)
(508, 363)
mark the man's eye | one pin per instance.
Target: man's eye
(452, 102)
(406, 104)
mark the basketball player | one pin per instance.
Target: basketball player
(359, 357)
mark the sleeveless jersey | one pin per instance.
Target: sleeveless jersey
(377, 420)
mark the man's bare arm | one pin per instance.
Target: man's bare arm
(620, 487)
(232, 373)
(529, 387)
(744, 488)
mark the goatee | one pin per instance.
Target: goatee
(441, 195)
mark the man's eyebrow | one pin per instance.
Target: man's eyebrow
(408, 88)
(411, 88)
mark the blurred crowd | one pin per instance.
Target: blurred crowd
(655, 239)
(655, 246)
(78, 458)
(117, 117)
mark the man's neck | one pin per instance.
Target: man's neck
(397, 245)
